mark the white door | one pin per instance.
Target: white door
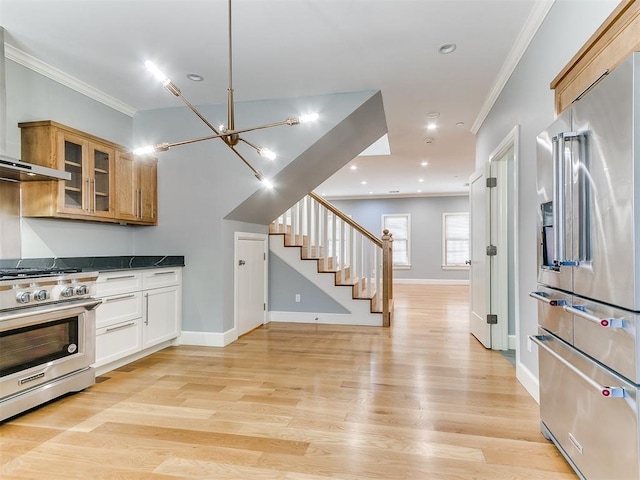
(479, 280)
(250, 274)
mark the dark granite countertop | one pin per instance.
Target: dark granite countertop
(98, 264)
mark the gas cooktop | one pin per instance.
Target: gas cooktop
(29, 272)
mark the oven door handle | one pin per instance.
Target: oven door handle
(605, 391)
(87, 304)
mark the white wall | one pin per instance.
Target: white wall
(528, 101)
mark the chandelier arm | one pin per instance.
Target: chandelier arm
(255, 172)
(197, 112)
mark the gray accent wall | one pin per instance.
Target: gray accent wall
(285, 283)
(426, 230)
(527, 100)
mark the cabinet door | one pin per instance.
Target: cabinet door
(161, 314)
(101, 180)
(148, 190)
(126, 186)
(73, 195)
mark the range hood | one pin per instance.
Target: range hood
(11, 168)
(19, 171)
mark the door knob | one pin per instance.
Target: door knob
(241, 262)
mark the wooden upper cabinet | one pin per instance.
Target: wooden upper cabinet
(614, 41)
(136, 181)
(103, 181)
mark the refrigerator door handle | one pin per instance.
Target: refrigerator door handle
(559, 192)
(605, 391)
(544, 297)
(606, 322)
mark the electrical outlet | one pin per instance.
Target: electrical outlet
(297, 298)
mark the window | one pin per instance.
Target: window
(455, 240)
(399, 226)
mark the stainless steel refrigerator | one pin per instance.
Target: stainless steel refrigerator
(588, 294)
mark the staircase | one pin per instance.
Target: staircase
(340, 247)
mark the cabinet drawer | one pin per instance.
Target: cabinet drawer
(597, 430)
(161, 277)
(551, 314)
(117, 282)
(119, 308)
(118, 341)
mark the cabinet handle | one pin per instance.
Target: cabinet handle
(93, 187)
(605, 391)
(121, 297)
(139, 195)
(146, 317)
(120, 277)
(157, 274)
(119, 327)
(88, 196)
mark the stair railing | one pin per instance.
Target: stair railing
(343, 246)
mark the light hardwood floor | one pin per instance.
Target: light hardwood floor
(421, 400)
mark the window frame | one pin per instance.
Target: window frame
(445, 238)
(401, 266)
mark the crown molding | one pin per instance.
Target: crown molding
(16, 55)
(530, 28)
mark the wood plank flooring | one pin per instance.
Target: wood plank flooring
(421, 400)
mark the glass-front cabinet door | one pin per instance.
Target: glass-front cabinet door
(72, 157)
(90, 190)
(101, 159)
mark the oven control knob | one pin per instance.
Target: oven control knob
(67, 292)
(40, 295)
(23, 297)
(82, 290)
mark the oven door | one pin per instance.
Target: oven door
(41, 344)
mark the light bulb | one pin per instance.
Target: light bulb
(147, 149)
(267, 183)
(162, 78)
(266, 153)
(309, 117)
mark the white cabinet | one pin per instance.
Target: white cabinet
(162, 305)
(141, 309)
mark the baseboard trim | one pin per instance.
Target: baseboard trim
(374, 320)
(528, 381)
(208, 339)
(512, 341)
(430, 281)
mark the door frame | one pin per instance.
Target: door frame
(509, 195)
(238, 236)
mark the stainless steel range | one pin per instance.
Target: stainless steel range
(47, 335)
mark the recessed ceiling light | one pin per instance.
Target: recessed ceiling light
(364, 182)
(460, 124)
(429, 140)
(419, 191)
(424, 164)
(421, 180)
(433, 115)
(370, 193)
(194, 77)
(432, 126)
(353, 167)
(447, 48)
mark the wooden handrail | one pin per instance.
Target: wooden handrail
(345, 219)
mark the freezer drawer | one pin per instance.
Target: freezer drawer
(607, 334)
(591, 412)
(551, 314)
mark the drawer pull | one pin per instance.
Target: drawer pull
(121, 297)
(544, 297)
(607, 322)
(119, 327)
(172, 272)
(605, 391)
(120, 277)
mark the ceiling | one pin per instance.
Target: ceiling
(292, 48)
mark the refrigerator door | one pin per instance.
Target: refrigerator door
(554, 205)
(605, 188)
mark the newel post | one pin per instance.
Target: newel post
(387, 278)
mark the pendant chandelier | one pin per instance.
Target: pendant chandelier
(227, 133)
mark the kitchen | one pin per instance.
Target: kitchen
(527, 91)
